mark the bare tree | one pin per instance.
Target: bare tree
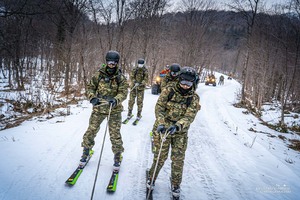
(249, 9)
(197, 45)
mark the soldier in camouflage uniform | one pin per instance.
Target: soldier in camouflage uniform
(172, 77)
(175, 110)
(170, 80)
(139, 78)
(110, 86)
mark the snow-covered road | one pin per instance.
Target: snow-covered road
(37, 157)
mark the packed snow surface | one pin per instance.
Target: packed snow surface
(224, 160)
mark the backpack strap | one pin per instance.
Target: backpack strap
(171, 94)
(188, 100)
(135, 72)
(117, 77)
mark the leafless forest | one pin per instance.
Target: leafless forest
(64, 41)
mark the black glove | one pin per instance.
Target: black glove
(172, 129)
(112, 102)
(94, 101)
(161, 128)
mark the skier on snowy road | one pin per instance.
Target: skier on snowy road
(175, 110)
(139, 79)
(107, 85)
(172, 75)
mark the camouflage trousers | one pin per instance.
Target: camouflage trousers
(114, 126)
(139, 95)
(178, 144)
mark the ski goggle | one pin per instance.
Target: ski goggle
(175, 73)
(187, 83)
(111, 63)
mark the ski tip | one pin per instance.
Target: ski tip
(135, 122)
(110, 190)
(69, 183)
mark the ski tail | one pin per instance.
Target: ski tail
(75, 175)
(112, 185)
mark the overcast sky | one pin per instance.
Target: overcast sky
(175, 4)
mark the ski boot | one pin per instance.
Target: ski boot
(129, 115)
(139, 115)
(176, 192)
(117, 161)
(149, 189)
(84, 157)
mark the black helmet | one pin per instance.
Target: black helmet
(141, 61)
(112, 56)
(188, 73)
(175, 67)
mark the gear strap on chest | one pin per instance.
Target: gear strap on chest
(188, 100)
(135, 72)
(107, 79)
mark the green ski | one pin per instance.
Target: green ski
(74, 177)
(127, 119)
(112, 185)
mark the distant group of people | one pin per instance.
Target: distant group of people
(175, 110)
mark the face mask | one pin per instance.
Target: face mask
(111, 71)
(140, 65)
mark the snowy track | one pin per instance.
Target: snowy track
(37, 157)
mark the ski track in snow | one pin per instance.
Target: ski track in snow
(219, 163)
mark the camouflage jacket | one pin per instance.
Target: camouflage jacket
(175, 110)
(169, 81)
(139, 75)
(106, 86)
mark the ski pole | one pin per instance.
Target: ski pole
(133, 88)
(163, 139)
(102, 103)
(108, 117)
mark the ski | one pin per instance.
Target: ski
(75, 175)
(136, 121)
(152, 142)
(112, 185)
(127, 119)
(149, 196)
